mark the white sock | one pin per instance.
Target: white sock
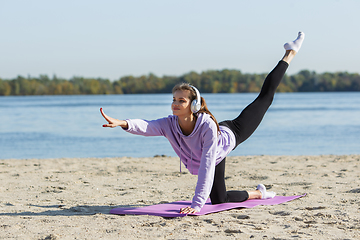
(296, 44)
(265, 194)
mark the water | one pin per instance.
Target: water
(71, 126)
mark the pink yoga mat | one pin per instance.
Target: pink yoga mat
(172, 209)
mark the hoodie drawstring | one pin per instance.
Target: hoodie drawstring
(191, 162)
(182, 155)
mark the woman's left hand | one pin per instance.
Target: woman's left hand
(187, 210)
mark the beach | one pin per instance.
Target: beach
(71, 198)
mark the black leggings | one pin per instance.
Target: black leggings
(242, 127)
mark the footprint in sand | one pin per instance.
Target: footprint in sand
(356, 190)
(280, 213)
(241, 216)
(314, 208)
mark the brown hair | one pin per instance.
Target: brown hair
(203, 109)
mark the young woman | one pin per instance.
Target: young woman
(201, 143)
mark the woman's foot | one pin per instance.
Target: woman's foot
(265, 194)
(296, 44)
(293, 47)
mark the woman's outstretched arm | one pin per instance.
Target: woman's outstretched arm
(112, 122)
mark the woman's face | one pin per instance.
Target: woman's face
(181, 103)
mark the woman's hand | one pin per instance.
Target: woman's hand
(187, 210)
(112, 122)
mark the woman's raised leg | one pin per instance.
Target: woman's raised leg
(246, 123)
(249, 119)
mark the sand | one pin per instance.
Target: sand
(71, 198)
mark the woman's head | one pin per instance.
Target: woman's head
(192, 94)
(183, 95)
(181, 103)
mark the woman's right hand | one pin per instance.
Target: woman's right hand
(112, 122)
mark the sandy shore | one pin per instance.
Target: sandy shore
(71, 198)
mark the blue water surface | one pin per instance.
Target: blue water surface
(71, 126)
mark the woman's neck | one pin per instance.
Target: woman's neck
(187, 124)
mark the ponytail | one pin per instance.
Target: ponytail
(204, 109)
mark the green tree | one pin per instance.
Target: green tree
(5, 88)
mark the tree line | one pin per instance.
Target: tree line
(222, 81)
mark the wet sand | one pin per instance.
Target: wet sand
(71, 198)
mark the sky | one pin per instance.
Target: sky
(115, 38)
